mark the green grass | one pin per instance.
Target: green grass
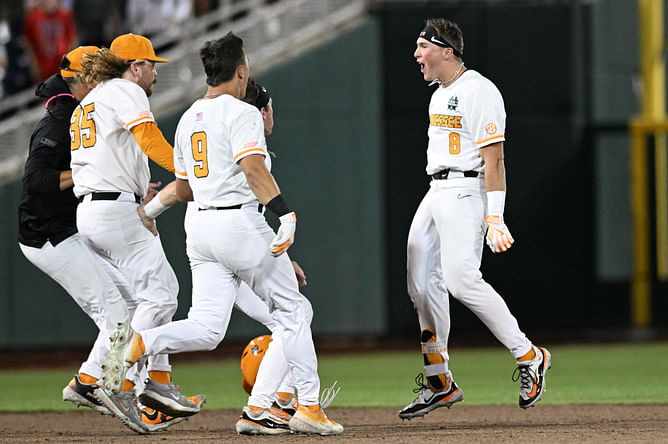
(590, 374)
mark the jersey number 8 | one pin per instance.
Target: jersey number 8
(455, 143)
(82, 127)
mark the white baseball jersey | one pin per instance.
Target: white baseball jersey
(463, 117)
(211, 138)
(105, 154)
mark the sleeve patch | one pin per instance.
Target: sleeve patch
(48, 142)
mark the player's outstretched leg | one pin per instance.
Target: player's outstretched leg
(429, 399)
(531, 375)
(126, 348)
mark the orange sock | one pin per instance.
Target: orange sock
(127, 385)
(159, 376)
(528, 356)
(313, 408)
(87, 379)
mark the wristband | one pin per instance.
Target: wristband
(278, 206)
(496, 201)
(154, 208)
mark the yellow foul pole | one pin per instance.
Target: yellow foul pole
(652, 120)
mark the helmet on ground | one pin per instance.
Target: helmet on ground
(251, 359)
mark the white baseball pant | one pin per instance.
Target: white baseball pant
(226, 247)
(444, 254)
(113, 230)
(72, 265)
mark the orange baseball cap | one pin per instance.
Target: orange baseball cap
(134, 47)
(71, 62)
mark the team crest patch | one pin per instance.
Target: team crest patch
(490, 128)
(453, 103)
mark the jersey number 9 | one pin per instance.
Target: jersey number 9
(198, 144)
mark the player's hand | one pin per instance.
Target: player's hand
(285, 235)
(151, 192)
(499, 238)
(301, 277)
(148, 222)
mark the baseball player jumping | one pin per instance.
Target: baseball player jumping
(466, 197)
(222, 163)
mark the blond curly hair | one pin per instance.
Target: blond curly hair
(100, 66)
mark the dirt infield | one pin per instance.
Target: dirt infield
(491, 424)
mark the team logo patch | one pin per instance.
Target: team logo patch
(490, 128)
(453, 103)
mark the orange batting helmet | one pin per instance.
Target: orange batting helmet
(250, 360)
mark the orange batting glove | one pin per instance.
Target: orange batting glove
(285, 235)
(499, 238)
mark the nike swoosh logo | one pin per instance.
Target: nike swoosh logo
(152, 416)
(174, 396)
(120, 402)
(463, 196)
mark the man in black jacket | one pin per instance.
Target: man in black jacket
(48, 235)
(47, 223)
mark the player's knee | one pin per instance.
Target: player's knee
(461, 281)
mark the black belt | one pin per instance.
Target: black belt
(443, 174)
(106, 195)
(232, 207)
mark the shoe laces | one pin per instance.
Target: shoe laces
(328, 395)
(419, 380)
(525, 375)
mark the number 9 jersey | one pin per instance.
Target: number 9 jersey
(212, 136)
(464, 117)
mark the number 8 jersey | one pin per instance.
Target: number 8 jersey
(463, 117)
(105, 154)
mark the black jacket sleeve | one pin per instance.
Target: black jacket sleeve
(49, 156)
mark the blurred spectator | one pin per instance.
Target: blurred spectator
(148, 17)
(50, 32)
(98, 22)
(17, 71)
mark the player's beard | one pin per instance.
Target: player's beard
(148, 87)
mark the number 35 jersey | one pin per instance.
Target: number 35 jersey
(105, 154)
(464, 117)
(212, 136)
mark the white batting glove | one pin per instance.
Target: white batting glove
(499, 238)
(285, 235)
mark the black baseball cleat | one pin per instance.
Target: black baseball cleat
(271, 421)
(428, 399)
(82, 394)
